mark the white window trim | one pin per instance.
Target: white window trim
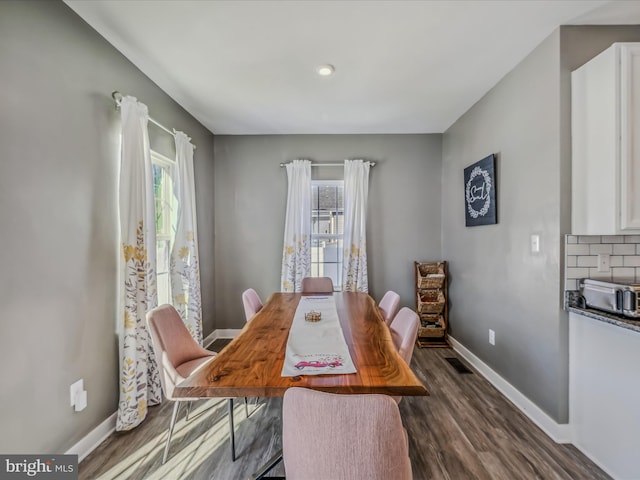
(332, 183)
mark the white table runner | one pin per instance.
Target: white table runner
(316, 348)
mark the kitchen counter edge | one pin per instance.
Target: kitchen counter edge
(607, 318)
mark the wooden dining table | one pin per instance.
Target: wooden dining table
(251, 364)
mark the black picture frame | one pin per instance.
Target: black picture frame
(480, 193)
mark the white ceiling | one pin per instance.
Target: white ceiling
(248, 67)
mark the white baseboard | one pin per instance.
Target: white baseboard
(99, 434)
(559, 432)
(220, 333)
(94, 438)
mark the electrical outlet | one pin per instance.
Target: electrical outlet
(492, 337)
(75, 390)
(604, 264)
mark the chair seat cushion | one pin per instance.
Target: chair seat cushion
(187, 368)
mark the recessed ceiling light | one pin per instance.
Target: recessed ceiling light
(325, 70)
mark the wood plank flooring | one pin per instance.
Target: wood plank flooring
(465, 430)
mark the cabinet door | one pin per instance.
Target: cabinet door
(605, 116)
(595, 131)
(604, 387)
(630, 137)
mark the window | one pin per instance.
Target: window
(166, 213)
(327, 229)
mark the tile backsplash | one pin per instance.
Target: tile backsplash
(582, 258)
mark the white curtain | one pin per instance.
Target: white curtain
(356, 190)
(296, 255)
(139, 380)
(184, 265)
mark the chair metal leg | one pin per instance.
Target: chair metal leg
(174, 415)
(231, 432)
(255, 406)
(266, 468)
(188, 410)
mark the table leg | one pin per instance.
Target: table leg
(232, 438)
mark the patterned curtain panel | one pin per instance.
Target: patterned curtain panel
(356, 191)
(296, 255)
(139, 380)
(184, 266)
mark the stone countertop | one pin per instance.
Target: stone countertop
(573, 305)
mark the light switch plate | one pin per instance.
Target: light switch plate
(535, 243)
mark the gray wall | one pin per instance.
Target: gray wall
(250, 196)
(58, 194)
(496, 283)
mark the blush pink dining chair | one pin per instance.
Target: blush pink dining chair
(404, 332)
(178, 356)
(342, 437)
(389, 306)
(252, 303)
(317, 285)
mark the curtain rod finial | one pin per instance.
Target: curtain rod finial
(117, 96)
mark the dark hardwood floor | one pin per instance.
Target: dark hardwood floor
(465, 430)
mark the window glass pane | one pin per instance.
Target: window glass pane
(158, 173)
(162, 260)
(327, 197)
(163, 288)
(331, 270)
(162, 256)
(314, 197)
(331, 252)
(327, 230)
(166, 214)
(340, 223)
(165, 218)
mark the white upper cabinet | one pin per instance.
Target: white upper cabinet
(605, 126)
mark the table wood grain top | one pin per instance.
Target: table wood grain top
(251, 364)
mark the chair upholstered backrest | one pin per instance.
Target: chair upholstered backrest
(404, 331)
(252, 303)
(177, 353)
(389, 306)
(342, 437)
(317, 285)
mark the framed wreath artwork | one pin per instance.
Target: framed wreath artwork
(480, 193)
